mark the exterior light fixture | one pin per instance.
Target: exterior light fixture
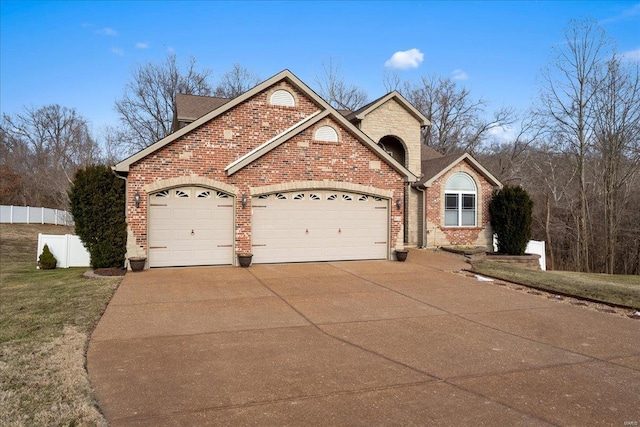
(136, 199)
(244, 200)
(399, 203)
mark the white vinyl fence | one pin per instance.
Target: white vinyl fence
(68, 250)
(533, 247)
(31, 215)
(538, 247)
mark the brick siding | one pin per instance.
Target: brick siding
(437, 233)
(208, 149)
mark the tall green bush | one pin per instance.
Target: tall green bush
(511, 211)
(97, 205)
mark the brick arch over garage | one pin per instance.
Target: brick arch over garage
(197, 181)
(321, 185)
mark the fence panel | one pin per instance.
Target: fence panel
(68, 250)
(31, 215)
(538, 247)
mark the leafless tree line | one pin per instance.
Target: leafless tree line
(580, 156)
(40, 150)
(577, 151)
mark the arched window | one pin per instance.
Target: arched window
(326, 133)
(460, 201)
(283, 98)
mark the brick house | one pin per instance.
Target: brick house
(279, 173)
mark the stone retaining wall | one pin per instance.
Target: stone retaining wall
(530, 261)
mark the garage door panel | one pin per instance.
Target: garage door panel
(193, 230)
(160, 213)
(202, 214)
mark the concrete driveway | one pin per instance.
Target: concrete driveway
(357, 343)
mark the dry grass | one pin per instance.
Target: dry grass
(45, 320)
(612, 289)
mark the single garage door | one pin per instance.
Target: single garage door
(190, 226)
(319, 226)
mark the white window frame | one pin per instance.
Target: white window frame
(326, 134)
(460, 194)
(282, 98)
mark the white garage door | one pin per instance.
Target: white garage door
(190, 226)
(319, 226)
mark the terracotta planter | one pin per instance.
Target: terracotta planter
(137, 263)
(401, 255)
(244, 260)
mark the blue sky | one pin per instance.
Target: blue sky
(81, 54)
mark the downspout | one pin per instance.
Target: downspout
(421, 189)
(126, 197)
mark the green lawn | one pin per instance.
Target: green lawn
(607, 288)
(46, 317)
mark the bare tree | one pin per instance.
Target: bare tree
(570, 87)
(458, 122)
(44, 147)
(147, 107)
(236, 81)
(336, 91)
(391, 81)
(508, 159)
(617, 145)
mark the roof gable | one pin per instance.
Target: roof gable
(269, 145)
(123, 166)
(434, 168)
(361, 113)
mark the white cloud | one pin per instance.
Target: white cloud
(458, 74)
(631, 55)
(405, 59)
(106, 31)
(117, 51)
(502, 134)
(142, 45)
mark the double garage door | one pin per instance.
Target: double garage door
(319, 226)
(194, 226)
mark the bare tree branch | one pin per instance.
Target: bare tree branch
(147, 107)
(333, 88)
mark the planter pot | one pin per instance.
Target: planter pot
(137, 264)
(244, 260)
(401, 255)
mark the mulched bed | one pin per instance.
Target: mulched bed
(110, 271)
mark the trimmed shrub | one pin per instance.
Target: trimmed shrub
(511, 211)
(46, 260)
(97, 205)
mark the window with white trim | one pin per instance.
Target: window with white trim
(282, 98)
(326, 134)
(460, 201)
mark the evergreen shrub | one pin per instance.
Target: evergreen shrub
(511, 212)
(46, 260)
(98, 207)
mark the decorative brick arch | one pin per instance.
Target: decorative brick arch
(321, 185)
(197, 181)
(392, 144)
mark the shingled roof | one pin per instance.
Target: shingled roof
(435, 165)
(192, 107)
